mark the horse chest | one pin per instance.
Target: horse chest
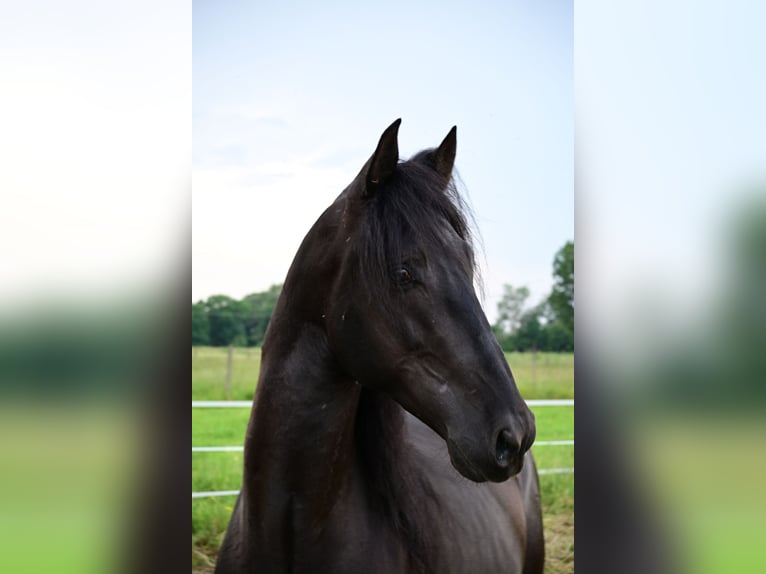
(471, 534)
(346, 541)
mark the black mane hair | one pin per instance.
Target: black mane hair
(406, 216)
(398, 493)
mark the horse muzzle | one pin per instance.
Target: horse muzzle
(498, 459)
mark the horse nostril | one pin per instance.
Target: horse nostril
(505, 445)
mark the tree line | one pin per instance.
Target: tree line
(547, 326)
(221, 320)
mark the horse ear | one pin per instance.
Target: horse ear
(444, 156)
(383, 162)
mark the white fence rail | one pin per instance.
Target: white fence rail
(215, 493)
(242, 448)
(248, 404)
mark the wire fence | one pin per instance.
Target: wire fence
(248, 404)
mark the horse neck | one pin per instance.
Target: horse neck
(300, 435)
(314, 426)
(314, 439)
(301, 430)
(315, 435)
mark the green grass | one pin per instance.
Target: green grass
(538, 375)
(543, 375)
(546, 375)
(209, 373)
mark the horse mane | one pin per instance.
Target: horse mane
(407, 214)
(397, 490)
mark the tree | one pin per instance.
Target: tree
(259, 308)
(225, 316)
(200, 324)
(510, 309)
(548, 326)
(562, 296)
(530, 336)
(519, 328)
(557, 337)
(222, 320)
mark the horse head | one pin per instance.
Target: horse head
(404, 318)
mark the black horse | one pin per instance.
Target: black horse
(378, 321)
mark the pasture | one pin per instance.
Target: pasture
(538, 376)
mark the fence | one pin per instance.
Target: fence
(249, 404)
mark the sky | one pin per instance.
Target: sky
(289, 101)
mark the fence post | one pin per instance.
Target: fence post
(228, 372)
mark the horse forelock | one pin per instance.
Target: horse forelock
(405, 217)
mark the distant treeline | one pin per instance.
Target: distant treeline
(549, 326)
(221, 320)
(538, 329)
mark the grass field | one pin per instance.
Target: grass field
(542, 376)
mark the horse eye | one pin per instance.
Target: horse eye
(403, 276)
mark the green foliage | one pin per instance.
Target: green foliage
(226, 320)
(562, 296)
(200, 324)
(221, 320)
(530, 333)
(536, 333)
(558, 338)
(259, 308)
(549, 326)
(510, 309)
